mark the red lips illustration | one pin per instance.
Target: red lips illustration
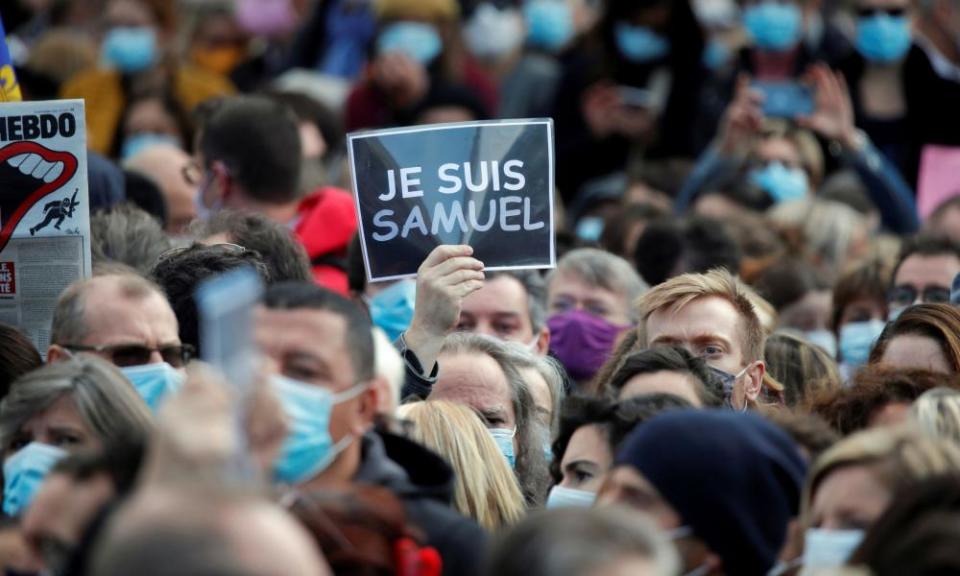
(28, 172)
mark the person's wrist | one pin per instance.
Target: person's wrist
(851, 139)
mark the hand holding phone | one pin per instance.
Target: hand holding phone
(785, 98)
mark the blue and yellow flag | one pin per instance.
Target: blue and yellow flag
(9, 88)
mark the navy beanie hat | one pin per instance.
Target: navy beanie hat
(734, 478)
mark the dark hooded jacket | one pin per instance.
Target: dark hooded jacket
(424, 482)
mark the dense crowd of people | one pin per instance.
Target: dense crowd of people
(745, 362)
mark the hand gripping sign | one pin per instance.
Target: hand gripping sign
(486, 184)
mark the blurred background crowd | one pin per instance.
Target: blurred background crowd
(757, 211)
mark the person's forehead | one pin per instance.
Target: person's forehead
(709, 315)
(113, 315)
(472, 379)
(539, 389)
(883, 4)
(777, 147)
(570, 284)
(128, 13)
(501, 295)
(846, 486)
(923, 270)
(588, 443)
(664, 381)
(302, 329)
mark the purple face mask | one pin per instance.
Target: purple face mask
(582, 342)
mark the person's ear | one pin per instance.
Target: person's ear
(753, 383)
(386, 402)
(57, 353)
(543, 341)
(223, 183)
(367, 405)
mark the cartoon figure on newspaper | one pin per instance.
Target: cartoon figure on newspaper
(44, 211)
(58, 210)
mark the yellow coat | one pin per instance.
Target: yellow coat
(105, 100)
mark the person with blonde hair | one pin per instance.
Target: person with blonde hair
(938, 412)
(834, 233)
(485, 488)
(855, 481)
(801, 366)
(714, 316)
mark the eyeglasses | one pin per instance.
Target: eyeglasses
(892, 12)
(126, 355)
(906, 295)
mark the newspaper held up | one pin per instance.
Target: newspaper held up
(44, 211)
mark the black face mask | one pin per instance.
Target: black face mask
(728, 381)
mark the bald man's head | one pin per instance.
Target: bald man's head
(164, 164)
(110, 311)
(161, 533)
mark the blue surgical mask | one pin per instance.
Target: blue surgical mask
(895, 312)
(392, 309)
(883, 38)
(154, 382)
(418, 40)
(781, 183)
(640, 44)
(824, 339)
(561, 497)
(309, 449)
(774, 26)
(829, 548)
(590, 228)
(504, 439)
(716, 55)
(24, 472)
(130, 50)
(857, 339)
(137, 143)
(549, 24)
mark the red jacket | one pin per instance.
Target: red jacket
(328, 221)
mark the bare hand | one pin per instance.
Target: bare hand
(446, 277)
(196, 437)
(403, 79)
(833, 116)
(742, 120)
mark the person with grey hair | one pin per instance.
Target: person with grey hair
(126, 234)
(80, 403)
(511, 306)
(544, 377)
(583, 542)
(589, 299)
(478, 372)
(127, 320)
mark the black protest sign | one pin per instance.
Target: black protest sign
(486, 184)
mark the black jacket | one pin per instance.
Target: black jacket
(424, 482)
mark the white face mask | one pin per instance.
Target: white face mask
(493, 33)
(828, 548)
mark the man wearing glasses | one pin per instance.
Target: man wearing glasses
(126, 320)
(924, 273)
